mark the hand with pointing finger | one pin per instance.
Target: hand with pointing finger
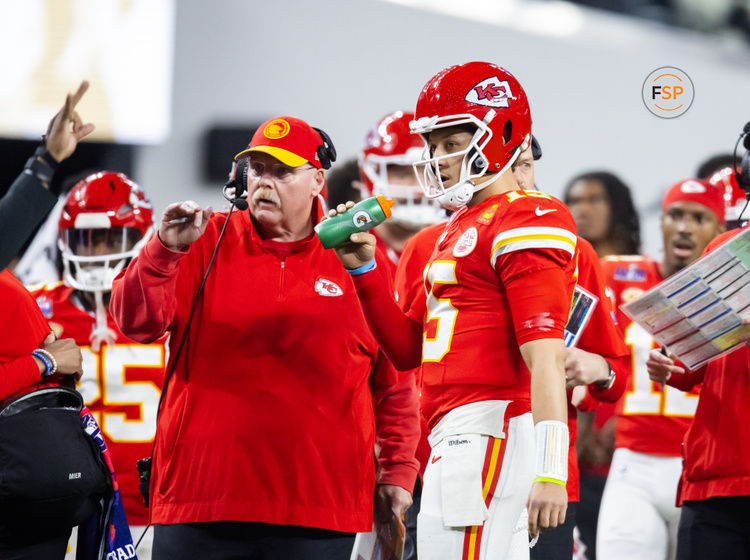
(67, 128)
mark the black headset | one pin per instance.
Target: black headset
(742, 171)
(326, 151)
(239, 184)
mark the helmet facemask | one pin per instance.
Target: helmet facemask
(90, 272)
(474, 164)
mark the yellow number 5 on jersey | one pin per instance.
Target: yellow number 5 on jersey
(440, 310)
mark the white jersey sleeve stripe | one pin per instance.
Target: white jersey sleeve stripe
(530, 243)
(535, 231)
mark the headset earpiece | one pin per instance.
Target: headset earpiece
(536, 148)
(240, 177)
(326, 151)
(743, 178)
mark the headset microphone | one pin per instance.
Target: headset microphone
(240, 203)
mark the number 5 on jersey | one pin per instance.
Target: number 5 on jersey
(105, 380)
(441, 315)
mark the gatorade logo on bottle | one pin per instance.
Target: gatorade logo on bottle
(361, 218)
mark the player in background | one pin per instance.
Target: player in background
(343, 184)
(105, 221)
(595, 368)
(386, 168)
(489, 335)
(602, 206)
(638, 518)
(603, 209)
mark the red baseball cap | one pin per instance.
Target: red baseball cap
(290, 140)
(696, 190)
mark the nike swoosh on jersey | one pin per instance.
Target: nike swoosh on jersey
(540, 212)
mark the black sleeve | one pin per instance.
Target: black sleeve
(22, 209)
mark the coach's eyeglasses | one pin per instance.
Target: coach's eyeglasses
(277, 171)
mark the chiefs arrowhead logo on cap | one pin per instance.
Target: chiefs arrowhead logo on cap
(490, 92)
(277, 128)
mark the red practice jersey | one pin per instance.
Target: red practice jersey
(494, 282)
(121, 385)
(651, 419)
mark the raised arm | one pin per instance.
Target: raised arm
(29, 200)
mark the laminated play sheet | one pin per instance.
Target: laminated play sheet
(581, 309)
(703, 311)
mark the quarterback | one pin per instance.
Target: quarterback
(488, 329)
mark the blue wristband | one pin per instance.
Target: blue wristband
(47, 363)
(362, 269)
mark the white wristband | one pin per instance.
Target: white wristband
(552, 450)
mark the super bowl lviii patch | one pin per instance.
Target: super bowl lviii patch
(465, 243)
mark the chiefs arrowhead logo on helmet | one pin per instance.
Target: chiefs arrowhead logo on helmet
(491, 92)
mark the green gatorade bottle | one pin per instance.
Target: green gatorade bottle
(364, 215)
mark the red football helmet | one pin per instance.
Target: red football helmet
(483, 95)
(390, 146)
(104, 223)
(734, 196)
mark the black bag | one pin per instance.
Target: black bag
(50, 470)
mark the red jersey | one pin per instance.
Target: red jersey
(393, 256)
(22, 330)
(650, 419)
(600, 336)
(716, 457)
(489, 282)
(121, 385)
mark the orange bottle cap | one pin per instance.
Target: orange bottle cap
(385, 204)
